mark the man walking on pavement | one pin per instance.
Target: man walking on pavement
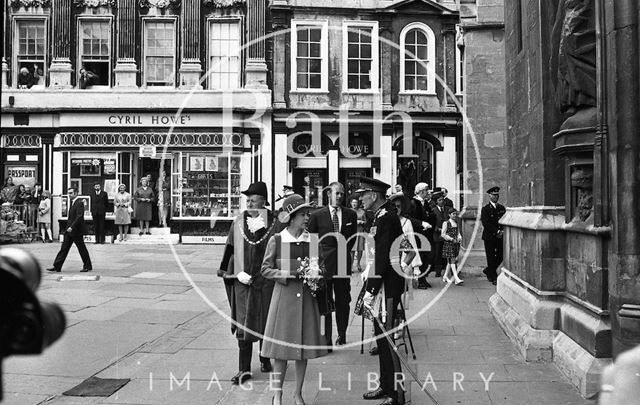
(248, 292)
(440, 215)
(99, 202)
(492, 233)
(388, 285)
(336, 219)
(421, 218)
(74, 234)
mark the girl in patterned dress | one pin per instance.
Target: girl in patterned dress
(451, 248)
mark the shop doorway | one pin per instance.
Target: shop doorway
(420, 168)
(155, 167)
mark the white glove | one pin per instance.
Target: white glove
(244, 278)
(365, 274)
(367, 300)
(416, 271)
(426, 225)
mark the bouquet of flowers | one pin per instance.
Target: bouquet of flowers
(311, 274)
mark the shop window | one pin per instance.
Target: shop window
(310, 52)
(360, 56)
(31, 46)
(209, 185)
(94, 52)
(159, 52)
(417, 61)
(224, 54)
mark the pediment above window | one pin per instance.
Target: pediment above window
(30, 6)
(421, 7)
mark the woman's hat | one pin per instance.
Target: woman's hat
(395, 196)
(291, 204)
(257, 188)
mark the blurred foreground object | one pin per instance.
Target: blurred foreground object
(621, 380)
(27, 326)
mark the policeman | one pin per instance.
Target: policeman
(388, 285)
(492, 233)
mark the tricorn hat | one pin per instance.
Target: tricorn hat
(494, 190)
(257, 188)
(291, 204)
(369, 184)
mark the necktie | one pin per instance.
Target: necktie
(336, 223)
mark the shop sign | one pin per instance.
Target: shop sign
(148, 151)
(109, 166)
(22, 175)
(203, 240)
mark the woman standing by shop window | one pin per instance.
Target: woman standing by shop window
(44, 217)
(144, 197)
(122, 204)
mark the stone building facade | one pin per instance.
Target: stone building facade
(569, 288)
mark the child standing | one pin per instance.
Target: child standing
(451, 248)
(44, 216)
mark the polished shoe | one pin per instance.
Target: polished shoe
(373, 351)
(84, 270)
(494, 282)
(376, 394)
(296, 402)
(486, 273)
(53, 270)
(241, 377)
(148, 233)
(266, 367)
(391, 401)
(141, 233)
(341, 341)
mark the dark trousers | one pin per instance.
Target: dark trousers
(341, 290)
(69, 239)
(493, 249)
(244, 358)
(387, 357)
(436, 255)
(98, 221)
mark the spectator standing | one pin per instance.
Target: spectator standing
(492, 233)
(451, 247)
(87, 78)
(99, 202)
(144, 197)
(358, 248)
(9, 191)
(44, 217)
(440, 215)
(122, 206)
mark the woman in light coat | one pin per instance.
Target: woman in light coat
(293, 316)
(122, 204)
(44, 217)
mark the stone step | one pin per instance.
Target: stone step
(154, 231)
(135, 239)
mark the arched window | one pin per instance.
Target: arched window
(417, 59)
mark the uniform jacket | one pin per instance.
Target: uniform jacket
(439, 216)
(99, 203)
(249, 303)
(385, 229)
(320, 223)
(75, 219)
(490, 217)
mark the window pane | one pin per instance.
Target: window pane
(409, 82)
(303, 50)
(315, 34)
(302, 81)
(308, 57)
(359, 57)
(314, 50)
(159, 53)
(315, 81)
(409, 68)
(224, 48)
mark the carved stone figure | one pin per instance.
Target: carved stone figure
(582, 181)
(573, 62)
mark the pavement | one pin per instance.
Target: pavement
(144, 321)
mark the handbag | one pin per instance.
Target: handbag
(358, 309)
(130, 210)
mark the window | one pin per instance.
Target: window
(95, 50)
(417, 61)
(360, 56)
(224, 54)
(159, 53)
(31, 45)
(459, 61)
(309, 55)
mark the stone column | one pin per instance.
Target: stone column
(60, 71)
(5, 66)
(449, 40)
(190, 66)
(386, 54)
(280, 22)
(126, 69)
(256, 67)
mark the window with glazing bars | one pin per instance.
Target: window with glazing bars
(359, 57)
(416, 59)
(224, 54)
(95, 49)
(159, 49)
(32, 45)
(309, 57)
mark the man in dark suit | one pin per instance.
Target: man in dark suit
(492, 233)
(422, 221)
(445, 192)
(99, 202)
(385, 230)
(74, 234)
(439, 215)
(334, 219)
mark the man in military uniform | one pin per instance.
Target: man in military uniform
(248, 292)
(388, 284)
(492, 233)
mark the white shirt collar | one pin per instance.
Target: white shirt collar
(417, 197)
(286, 237)
(493, 204)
